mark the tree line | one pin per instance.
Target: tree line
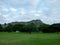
(31, 27)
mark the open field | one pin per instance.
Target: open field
(29, 39)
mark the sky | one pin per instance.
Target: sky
(47, 11)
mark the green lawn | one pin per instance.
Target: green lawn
(29, 39)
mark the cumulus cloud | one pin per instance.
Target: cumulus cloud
(22, 10)
(13, 9)
(4, 10)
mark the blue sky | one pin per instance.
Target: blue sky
(25, 10)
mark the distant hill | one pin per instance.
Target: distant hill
(35, 22)
(28, 22)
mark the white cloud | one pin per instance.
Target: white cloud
(13, 9)
(21, 11)
(51, 1)
(36, 13)
(4, 10)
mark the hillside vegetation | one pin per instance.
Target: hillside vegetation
(30, 26)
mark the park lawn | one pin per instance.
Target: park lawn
(29, 39)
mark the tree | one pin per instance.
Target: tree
(44, 28)
(18, 27)
(29, 28)
(55, 27)
(1, 28)
(9, 28)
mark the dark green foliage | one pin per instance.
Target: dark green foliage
(50, 28)
(55, 27)
(18, 27)
(9, 28)
(31, 26)
(44, 28)
(1, 28)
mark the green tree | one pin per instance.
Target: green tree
(55, 27)
(1, 28)
(9, 28)
(44, 28)
(18, 27)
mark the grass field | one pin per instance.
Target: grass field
(29, 39)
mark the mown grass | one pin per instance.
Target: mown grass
(29, 39)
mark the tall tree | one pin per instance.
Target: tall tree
(1, 28)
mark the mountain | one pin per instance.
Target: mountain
(32, 21)
(35, 22)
